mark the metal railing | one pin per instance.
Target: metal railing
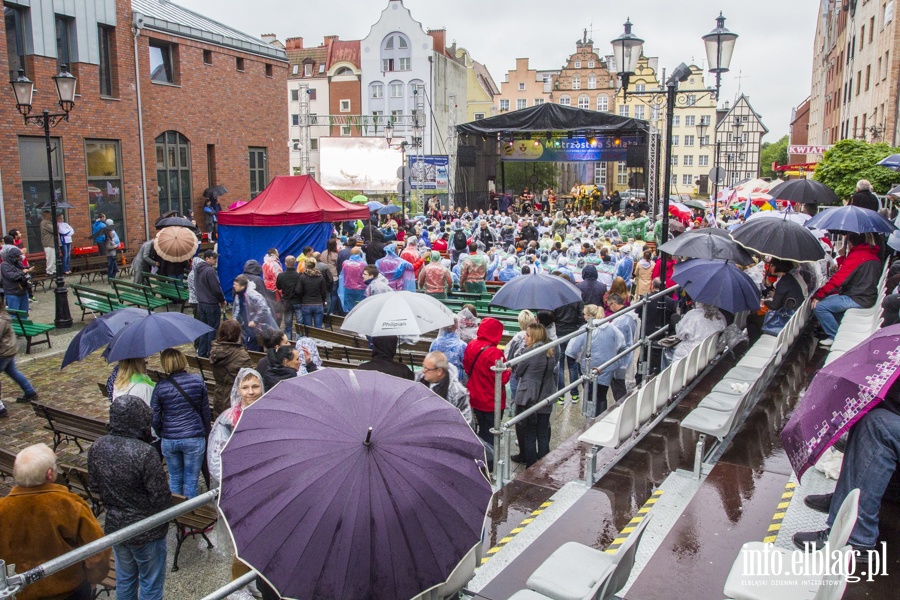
(502, 430)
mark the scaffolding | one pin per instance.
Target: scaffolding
(304, 131)
(653, 168)
(451, 153)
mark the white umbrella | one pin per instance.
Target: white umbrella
(398, 313)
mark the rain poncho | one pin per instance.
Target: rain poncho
(192, 291)
(606, 342)
(467, 325)
(509, 270)
(224, 426)
(454, 348)
(627, 324)
(270, 269)
(378, 285)
(351, 287)
(250, 305)
(435, 278)
(625, 267)
(474, 267)
(698, 324)
(563, 268)
(310, 345)
(399, 273)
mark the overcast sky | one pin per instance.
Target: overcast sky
(773, 56)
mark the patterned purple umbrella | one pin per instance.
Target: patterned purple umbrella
(839, 395)
(353, 484)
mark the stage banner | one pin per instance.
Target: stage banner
(436, 169)
(589, 149)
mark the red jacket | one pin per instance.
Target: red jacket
(857, 256)
(670, 270)
(478, 363)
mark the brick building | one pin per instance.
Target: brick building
(208, 105)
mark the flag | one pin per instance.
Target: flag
(748, 209)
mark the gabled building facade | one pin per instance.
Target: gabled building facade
(739, 131)
(480, 89)
(524, 87)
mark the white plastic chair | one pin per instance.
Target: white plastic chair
(614, 428)
(693, 363)
(679, 375)
(645, 403)
(662, 390)
(458, 579)
(787, 586)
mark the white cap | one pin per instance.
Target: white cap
(626, 249)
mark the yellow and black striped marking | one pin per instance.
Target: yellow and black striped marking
(778, 517)
(517, 530)
(632, 524)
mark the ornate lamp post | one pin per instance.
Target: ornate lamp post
(389, 136)
(65, 91)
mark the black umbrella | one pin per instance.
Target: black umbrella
(709, 242)
(174, 222)
(215, 191)
(781, 238)
(806, 191)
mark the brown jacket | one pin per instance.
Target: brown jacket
(43, 522)
(8, 346)
(226, 359)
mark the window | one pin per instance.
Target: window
(584, 101)
(211, 163)
(295, 144)
(887, 65)
(690, 120)
(321, 69)
(295, 120)
(592, 82)
(689, 160)
(640, 87)
(395, 53)
(603, 102)
(377, 90)
(345, 130)
(14, 18)
(621, 173)
(675, 139)
(538, 101)
(687, 179)
(396, 90)
(858, 81)
(35, 188)
(313, 144)
(640, 111)
(691, 100)
(64, 34)
(504, 105)
(590, 64)
(207, 57)
(862, 36)
(295, 95)
(868, 75)
(161, 63)
(576, 82)
(703, 160)
(343, 71)
(313, 119)
(404, 64)
(521, 87)
(105, 39)
(259, 172)
(377, 117)
(688, 140)
(565, 101)
(655, 112)
(674, 160)
(704, 120)
(521, 103)
(311, 93)
(295, 69)
(676, 121)
(239, 63)
(577, 64)
(623, 111)
(871, 29)
(600, 174)
(173, 172)
(268, 70)
(479, 116)
(345, 106)
(674, 179)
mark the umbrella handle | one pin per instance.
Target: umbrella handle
(368, 441)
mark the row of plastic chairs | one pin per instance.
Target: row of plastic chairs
(719, 412)
(638, 408)
(858, 324)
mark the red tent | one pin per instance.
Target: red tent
(293, 200)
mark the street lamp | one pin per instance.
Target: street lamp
(389, 136)
(701, 133)
(65, 91)
(627, 48)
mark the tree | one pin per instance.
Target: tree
(851, 160)
(518, 176)
(771, 152)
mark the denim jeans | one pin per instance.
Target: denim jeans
(353, 297)
(872, 457)
(211, 314)
(8, 366)
(335, 306)
(111, 267)
(184, 459)
(290, 317)
(571, 364)
(828, 310)
(312, 315)
(17, 302)
(66, 255)
(140, 566)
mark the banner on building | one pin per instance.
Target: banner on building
(575, 149)
(808, 149)
(436, 171)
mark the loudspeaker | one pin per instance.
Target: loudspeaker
(466, 156)
(636, 156)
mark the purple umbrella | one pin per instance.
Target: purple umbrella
(839, 395)
(353, 484)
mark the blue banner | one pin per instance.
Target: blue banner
(590, 149)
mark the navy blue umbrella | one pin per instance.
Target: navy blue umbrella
(536, 292)
(154, 333)
(99, 333)
(718, 283)
(851, 218)
(389, 209)
(891, 162)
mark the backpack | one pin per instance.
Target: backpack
(459, 240)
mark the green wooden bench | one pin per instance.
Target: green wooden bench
(25, 327)
(137, 295)
(167, 288)
(94, 301)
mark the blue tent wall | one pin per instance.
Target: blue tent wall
(239, 243)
